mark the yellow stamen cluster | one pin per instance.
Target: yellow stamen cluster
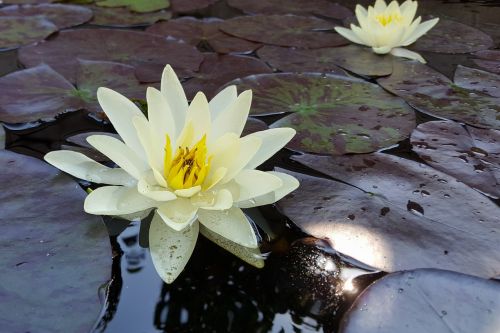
(388, 18)
(188, 167)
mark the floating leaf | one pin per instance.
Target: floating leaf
(397, 215)
(253, 125)
(322, 8)
(140, 6)
(141, 49)
(425, 300)
(63, 16)
(54, 256)
(122, 17)
(475, 79)
(187, 6)
(489, 60)
(356, 59)
(17, 31)
(2, 137)
(29, 2)
(471, 155)
(332, 114)
(431, 92)
(197, 32)
(284, 30)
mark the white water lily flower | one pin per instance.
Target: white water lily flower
(188, 163)
(386, 28)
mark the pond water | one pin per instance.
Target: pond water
(305, 286)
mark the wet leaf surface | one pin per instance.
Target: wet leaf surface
(63, 16)
(17, 31)
(471, 155)
(489, 60)
(141, 49)
(284, 30)
(2, 137)
(332, 114)
(397, 214)
(356, 59)
(321, 8)
(187, 6)
(140, 6)
(122, 17)
(253, 125)
(426, 301)
(475, 79)
(55, 257)
(431, 92)
(204, 33)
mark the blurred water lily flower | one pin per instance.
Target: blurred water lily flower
(387, 27)
(189, 164)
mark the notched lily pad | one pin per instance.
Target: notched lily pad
(140, 6)
(284, 30)
(53, 263)
(471, 155)
(489, 60)
(332, 114)
(18, 30)
(122, 17)
(188, 6)
(475, 79)
(426, 300)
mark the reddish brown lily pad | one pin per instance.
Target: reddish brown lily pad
(322, 8)
(205, 31)
(253, 125)
(397, 215)
(284, 30)
(332, 114)
(122, 17)
(141, 49)
(431, 92)
(489, 60)
(471, 155)
(17, 31)
(140, 6)
(475, 79)
(188, 6)
(63, 16)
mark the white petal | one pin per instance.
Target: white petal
(198, 114)
(137, 215)
(362, 35)
(248, 147)
(220, 200)
(361, 15)
(231, 224)
(272, 141)
(349, 34)
(177, 214)
(380, 6)
(146, 187)
(381, 50)
(116, 200)
(254, 183)
(420, 30)
(188, 192)
(175, 96)
(400, 52)
(152, 143)
(222, 100)
(119, 153)
(160, 115)
(120, 111)
(408, 10)
(233, 118)
(170, 249)
(80, 166)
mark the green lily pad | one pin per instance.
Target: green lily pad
(396, 214)
(431, 92)
(122, 17)
(472, 155)
(141, 49)
(426, 300)
(63, 16)
(284, 30)
(322, 8)
(28, 2)
(140, 6)
(54, 256)
(203, 32)
(356, 59)
(332, 114)
(475, 79)
(188, 6)
(489, 60)
(17, 31)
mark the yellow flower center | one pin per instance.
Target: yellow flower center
(388, 18)
(188, 167)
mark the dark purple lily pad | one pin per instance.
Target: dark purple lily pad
(196, 32)
(356, 59)
(122, 17)
(17, 31)
(431, 92)
(322, 8)
(141, 49)
(2, 137)
(332, 114)
(475, 79)
(453, 37)
(63, 16)
(80, 144)
(139, 6)
(54, 256)
(397, 215)
(489, 60)
(284, 30)
(253, 125)
(188, 6)
(426, 300)
(471, 155)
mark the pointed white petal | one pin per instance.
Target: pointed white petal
(178, 214)
(349, 34)
(400, 52)
(188, 192)
(137, 215)
(408, 10)
(380, 6)
(152, 143)
(147, 188)
(254, 183)
(362, 16)
(248, 147)
(160, 115)
(222, 100)
(175, 96)
(420, 31)
(116, 200)
(198, 114)
(272, 141)
(381, 50)
(220, 200)
(233, 118)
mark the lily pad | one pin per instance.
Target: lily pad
(322, 8)
(53, 263)
(431, 92)
(140, 6)
(203, 32)
(23, 2)
(475, 79)
(471, 155)
(63, 16)
(122, 17)
(141, 49)
(332, 114)
(489, 60)
(426, 300)
(187, 6)
(17, 31)
(356, 59)
(253, 125)
(284, 30)
(2, 137)
(397, 214)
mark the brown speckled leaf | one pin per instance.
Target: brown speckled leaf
(187, 6)
(471, 155)
(17, 31)
(284, 30)
(475, 79)
(122, 17)
(489, 60)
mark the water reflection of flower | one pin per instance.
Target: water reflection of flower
(134, 254)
